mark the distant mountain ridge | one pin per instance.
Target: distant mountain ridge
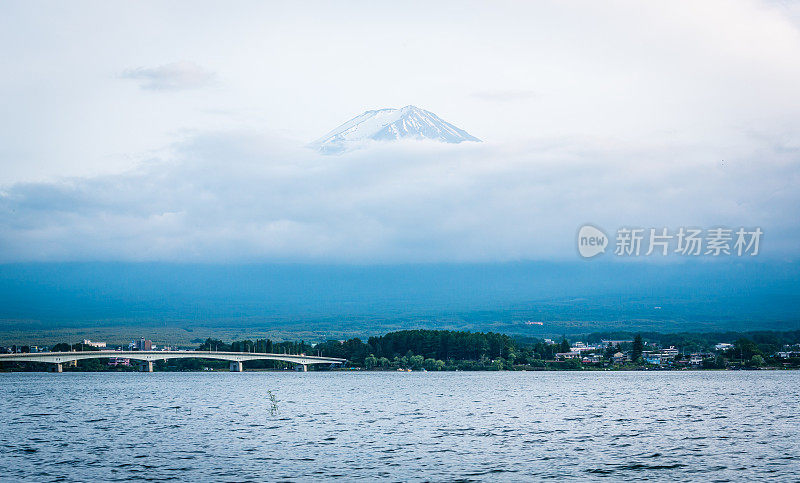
(322, 300)
(409, 122)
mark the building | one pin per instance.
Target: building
(697, 358)
(580, 347)
(669, 353)
(563, 356)
(592, 358)
(664, 356)
(619, 358)
(652, 358)
(119, 361)
(723, 346)
(606, 343)
(99, 345)
(143, 345)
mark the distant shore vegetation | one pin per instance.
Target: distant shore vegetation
(445, 350)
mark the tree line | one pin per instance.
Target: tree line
(461, 350)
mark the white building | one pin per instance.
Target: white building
(592, 358)
(697, 358)
(580, 347)
(669, 353)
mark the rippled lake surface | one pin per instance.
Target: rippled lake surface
(712, 426)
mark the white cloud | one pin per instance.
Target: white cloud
(613, 113)
(174, 76)
(241, 198)
(627, 72)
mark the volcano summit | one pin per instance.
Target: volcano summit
(410, 122)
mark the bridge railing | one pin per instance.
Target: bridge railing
(149, 357)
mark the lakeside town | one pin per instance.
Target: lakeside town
(441, 350)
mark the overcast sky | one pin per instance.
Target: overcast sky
(175, 130)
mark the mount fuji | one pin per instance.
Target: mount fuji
(410, 122)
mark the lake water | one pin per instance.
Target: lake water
(720, 426)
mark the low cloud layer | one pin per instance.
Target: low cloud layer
(239, 197)
(174, 76)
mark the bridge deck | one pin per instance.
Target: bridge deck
(150, 356)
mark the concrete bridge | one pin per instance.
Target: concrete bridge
(147, 358)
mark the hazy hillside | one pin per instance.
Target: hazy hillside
(563, 297)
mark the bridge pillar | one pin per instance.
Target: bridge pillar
(301, 368)
(146, 366)
(58, 367)
(236, 366)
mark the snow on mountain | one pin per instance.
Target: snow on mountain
(388, 125)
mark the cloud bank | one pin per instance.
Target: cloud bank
(170, 77)
(241, 197)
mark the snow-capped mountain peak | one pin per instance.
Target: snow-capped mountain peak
(389, 125)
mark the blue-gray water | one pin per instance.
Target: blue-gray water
(720, 426)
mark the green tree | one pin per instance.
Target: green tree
(370, 362)
(512, 358)
(757, 361)
(744, 350)
(564, 345)
(608, 354)
(430, 364)
(638, 348)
